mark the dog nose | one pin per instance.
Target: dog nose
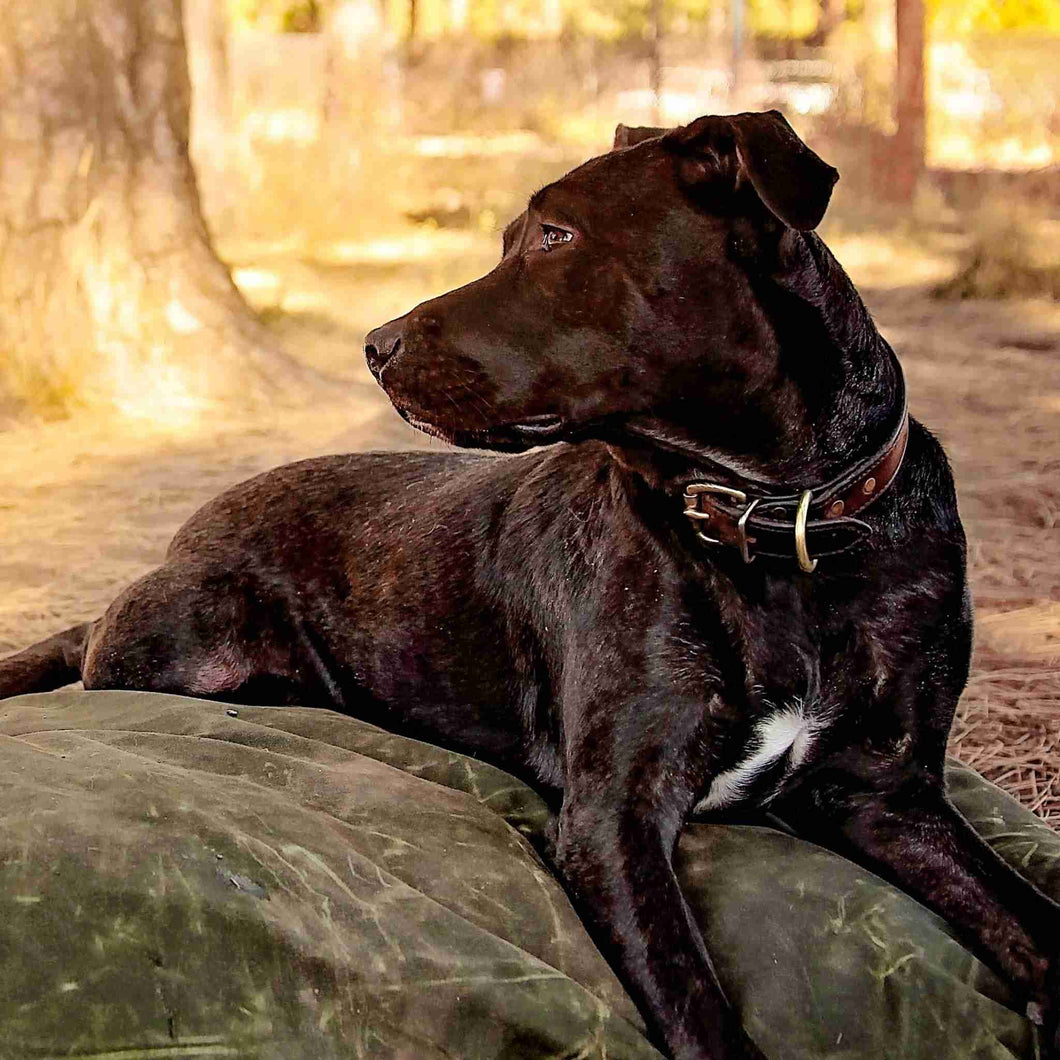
(380, 346)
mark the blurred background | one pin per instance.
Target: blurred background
(204, 206)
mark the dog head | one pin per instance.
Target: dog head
(624, 296)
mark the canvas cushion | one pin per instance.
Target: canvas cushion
(293, 883)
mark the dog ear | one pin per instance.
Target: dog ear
(628, 135)
(793, 182)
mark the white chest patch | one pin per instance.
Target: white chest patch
(789, 731)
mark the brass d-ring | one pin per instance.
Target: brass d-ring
(803, 553)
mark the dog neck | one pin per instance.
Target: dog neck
(836, 397)
(851, 383)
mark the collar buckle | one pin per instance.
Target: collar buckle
(694, 511)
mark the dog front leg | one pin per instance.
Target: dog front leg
(912, 835)
(618, 865)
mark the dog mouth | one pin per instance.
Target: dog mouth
(543, 429)
(546, 427)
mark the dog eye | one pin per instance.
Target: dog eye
(552, 236)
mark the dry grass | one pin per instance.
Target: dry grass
(87, 506)
(1006, 728)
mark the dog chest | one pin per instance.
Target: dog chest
(777, 746)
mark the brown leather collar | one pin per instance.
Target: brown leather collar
(805, 525)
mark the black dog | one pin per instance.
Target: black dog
(745, 584)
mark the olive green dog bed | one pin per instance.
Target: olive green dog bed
(290, 883)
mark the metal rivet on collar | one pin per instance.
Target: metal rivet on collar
(870, 485)
(837, 508)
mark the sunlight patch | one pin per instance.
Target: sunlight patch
(181, 319)
(156, 390)
(255, 279)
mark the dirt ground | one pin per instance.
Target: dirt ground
(86, 506)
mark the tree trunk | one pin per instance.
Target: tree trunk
(109, 289)
(206, 33)
(910, 103)
(655, 60)
(736, 20)
(831, 14)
